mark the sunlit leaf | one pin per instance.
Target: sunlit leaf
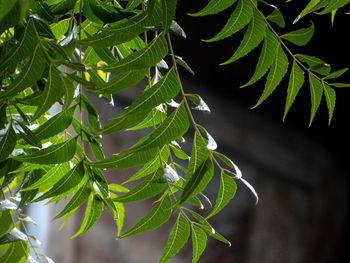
(177, 238)
(52, 92)
(57, 153)
(8, 142)
(30, 74)
(126, 159)
(56, 124)
(163, 91)
(199, 240)
(276, 17)
(170, 129)
(296, 80)
(147, 57)
(77, 200)
(252, 38)
(23, 49)
(158, 215)
(50, 177)
(316, 91)
(278, 70)
(92, 214)
(198, 181)
(330, 96)
(150, 187)
(168, 14)
(300, 37)
(238, 20)
(267, 57)
(227, 191)
(63, 183)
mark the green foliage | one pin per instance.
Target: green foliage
(57, 52)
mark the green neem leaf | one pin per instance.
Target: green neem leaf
(163, 91)
(150, 187)
(60, 28)
(169, 130)
(252, 38)
(30, 74)
(106, 12)
(177, 238)
(153, 118)
(198, 155)
(205, 225)
(168, 14)
(8, 142)
(316, 91)
(92, 214)
(179, 153)
(300, 37)
(29, 136)
(336, 74)
(77, 200)
(126, 159)
(158, 215)
(214, 7)
(315, 64)
(340, 85)
(308, 9)
(6, 222)
(56, 124)
(197, 181)
(333, 5)
(151, 166)
(147, 57)
(50, 177)
(278, 70)
(239, 19)
(93, 117)
(227, 191)
(23, 49)
(5, 7)
(69, 90)
(57, 153)
(277, 18)
(124, 32)
(64, 185)
(296, 80)
(32, 177)
(63, 6)
(52, 92)
(199, 242)
(17, 252)
(329, 94)
(132, 4)
(267, 57)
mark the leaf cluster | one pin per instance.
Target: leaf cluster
(54, 53)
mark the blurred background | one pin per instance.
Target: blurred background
(300, 173)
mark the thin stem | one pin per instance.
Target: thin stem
(181, 87)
